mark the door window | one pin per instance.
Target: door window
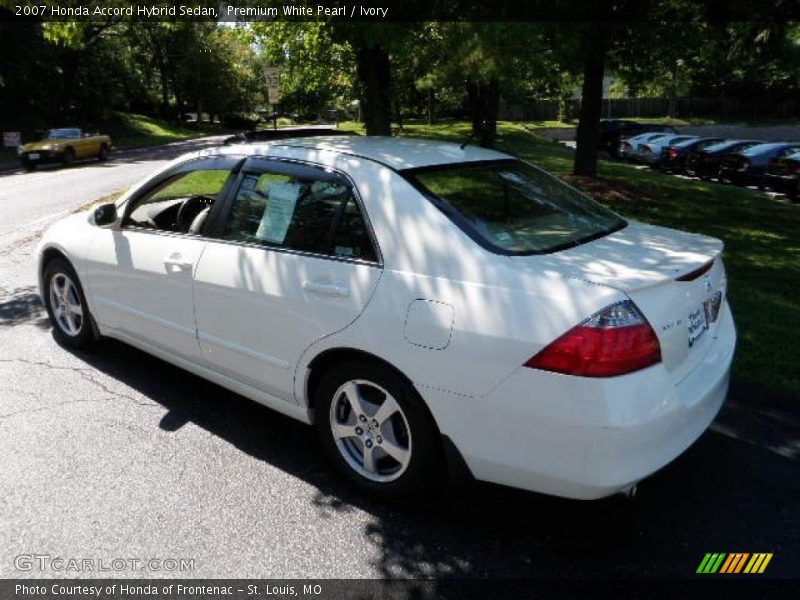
(180, 203)
(317, 215)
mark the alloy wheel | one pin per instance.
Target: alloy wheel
(66, 304)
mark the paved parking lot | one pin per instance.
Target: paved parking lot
(117, 454)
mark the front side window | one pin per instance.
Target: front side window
(301, 213)
(514, 207)
(178, 203)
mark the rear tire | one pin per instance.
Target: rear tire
(69, 157)
(28, 166)
(103, 154)
(377, 431)
(66, 305)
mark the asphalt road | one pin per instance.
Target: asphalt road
(116, 454)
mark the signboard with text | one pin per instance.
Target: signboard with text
(11, 139)
(273, 77)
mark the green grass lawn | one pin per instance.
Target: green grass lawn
(762, 242)
(128, 130)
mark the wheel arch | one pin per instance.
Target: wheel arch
(456, 467)
(46, 256)
(330, 357)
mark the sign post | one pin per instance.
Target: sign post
(273, 77)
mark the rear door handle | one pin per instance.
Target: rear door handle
(327, 289)
(175, 262)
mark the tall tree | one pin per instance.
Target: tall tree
(594, 45)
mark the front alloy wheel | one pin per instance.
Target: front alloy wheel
(66, 304)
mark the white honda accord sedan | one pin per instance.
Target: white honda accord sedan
(430, 309)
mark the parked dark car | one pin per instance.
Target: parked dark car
(267, 135)
(673, 157)
(705, 163)
(747, 167)
(613, 131)
(783, 175)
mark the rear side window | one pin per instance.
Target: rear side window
(515, 208)
(319, 216)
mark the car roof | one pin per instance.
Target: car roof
(768, 147)
(396, 153)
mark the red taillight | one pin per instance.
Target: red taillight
(672, 153)
(615, 341)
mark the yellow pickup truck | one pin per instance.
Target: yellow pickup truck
(64, 145)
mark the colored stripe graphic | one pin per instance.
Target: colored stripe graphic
(758, 563)
(723, 563)
(734, 563)
(711, 562)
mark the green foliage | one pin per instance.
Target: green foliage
(59, 73)
(316, 70)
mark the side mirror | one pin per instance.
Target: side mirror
(105, 215)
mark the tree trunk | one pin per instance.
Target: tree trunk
(484, 102)
(593, 43)
(430, 106)
(374, 75)
(164, 92)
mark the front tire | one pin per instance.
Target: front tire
(377, 432)
(66, 305)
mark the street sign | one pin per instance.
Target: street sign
(11, 139)
(273, 77)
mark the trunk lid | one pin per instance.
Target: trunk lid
(661, 270)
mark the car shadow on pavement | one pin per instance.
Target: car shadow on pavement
(723, 495)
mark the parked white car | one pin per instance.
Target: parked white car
(425, 306)
(649, 152)
(629, 148)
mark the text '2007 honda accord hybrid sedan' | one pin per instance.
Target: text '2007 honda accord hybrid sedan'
(430, 309)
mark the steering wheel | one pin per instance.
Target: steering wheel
(190, 208)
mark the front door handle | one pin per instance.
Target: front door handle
(175, 262)
(327, 289)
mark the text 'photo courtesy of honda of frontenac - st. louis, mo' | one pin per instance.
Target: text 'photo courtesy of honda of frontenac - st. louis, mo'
(429, 308)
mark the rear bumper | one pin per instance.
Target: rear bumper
(586, 438)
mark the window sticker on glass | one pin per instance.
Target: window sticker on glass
(278, 212)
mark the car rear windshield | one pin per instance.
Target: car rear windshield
(512, 207)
